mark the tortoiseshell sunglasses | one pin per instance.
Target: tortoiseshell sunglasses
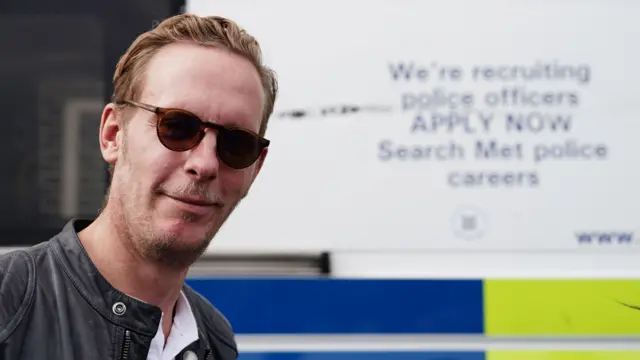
(180, 130)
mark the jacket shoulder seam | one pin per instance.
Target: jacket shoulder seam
(28, 296)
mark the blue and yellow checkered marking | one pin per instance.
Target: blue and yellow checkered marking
(491, 307)
(339, 306)
(563, 355)
(562, 307)
(445, 355)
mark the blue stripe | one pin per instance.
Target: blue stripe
(340, 306)
(365, 356)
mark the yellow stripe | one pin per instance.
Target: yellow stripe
(563, 355)
(567, 307)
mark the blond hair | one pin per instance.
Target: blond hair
(203, 30)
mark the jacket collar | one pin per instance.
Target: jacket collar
(112, 304)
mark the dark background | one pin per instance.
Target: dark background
(57, 61)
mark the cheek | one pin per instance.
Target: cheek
(234, 184)
(149, 166)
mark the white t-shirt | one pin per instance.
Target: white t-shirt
(184, 332)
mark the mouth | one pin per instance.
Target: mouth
(194, 201)
(195, 205)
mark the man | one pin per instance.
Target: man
(184, 141)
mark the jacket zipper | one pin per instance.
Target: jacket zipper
(126, 344)
(208, 355)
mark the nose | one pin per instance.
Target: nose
(202, 163)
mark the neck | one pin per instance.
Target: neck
(125, 269)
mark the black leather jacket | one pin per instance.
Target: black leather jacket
(55, 305)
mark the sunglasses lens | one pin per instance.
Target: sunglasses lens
(179, 131)
(238, 148)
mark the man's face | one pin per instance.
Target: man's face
(215, 85)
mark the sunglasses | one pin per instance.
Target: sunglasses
(180, 130)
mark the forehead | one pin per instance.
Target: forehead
(214, 83)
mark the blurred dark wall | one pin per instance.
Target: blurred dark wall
(57, 60)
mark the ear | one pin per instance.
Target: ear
(111, 133)
(260, 162)
(256, 170)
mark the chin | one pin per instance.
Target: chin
(185, 230)
(177, 243)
